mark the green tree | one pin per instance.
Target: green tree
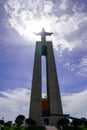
(30, 122)
(8, 124)
(63, 122)
(76, 123)
(84, 121)
(2, 122)
(19, 120)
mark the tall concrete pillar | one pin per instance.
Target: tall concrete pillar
(45, 110)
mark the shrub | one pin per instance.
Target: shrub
(30, 122)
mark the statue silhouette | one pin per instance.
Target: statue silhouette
(43, 34)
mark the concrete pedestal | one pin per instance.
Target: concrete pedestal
(53, 94)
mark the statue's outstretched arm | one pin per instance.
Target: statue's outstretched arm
(49, 34)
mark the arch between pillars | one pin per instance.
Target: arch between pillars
(44, 69)
(45, 100)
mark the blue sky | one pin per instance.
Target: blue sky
(18, 20)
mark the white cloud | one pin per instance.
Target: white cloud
(15, 102)
(48, 7)
(75, 104)
(26, 18)
(80, 68)
(63, 5)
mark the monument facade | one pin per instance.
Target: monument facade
(45, 111)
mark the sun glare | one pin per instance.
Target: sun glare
(35, 26)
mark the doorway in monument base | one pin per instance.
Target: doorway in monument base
(46, 121)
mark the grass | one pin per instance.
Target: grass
(26, 128)
(72, 128)
(43, 128)
(36, 128)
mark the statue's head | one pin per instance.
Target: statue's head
(43, 29)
